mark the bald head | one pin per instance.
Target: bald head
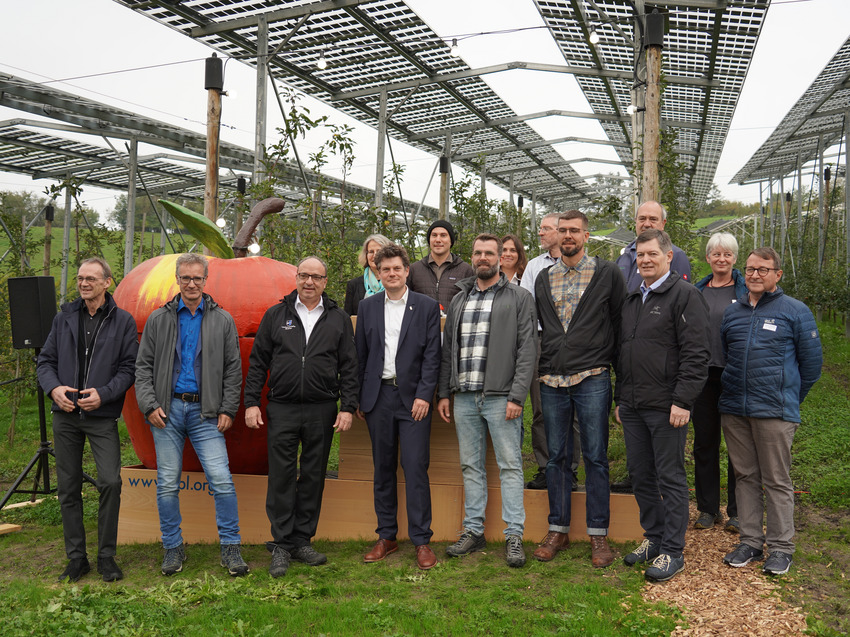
(650, 215)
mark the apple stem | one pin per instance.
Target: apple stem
(260, 210)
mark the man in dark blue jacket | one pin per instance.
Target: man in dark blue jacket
(86, 366)
(774, 357)
(398, 348)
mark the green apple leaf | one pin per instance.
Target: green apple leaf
(201, 228)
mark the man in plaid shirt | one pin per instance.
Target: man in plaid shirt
(487, 364)
(579, 303)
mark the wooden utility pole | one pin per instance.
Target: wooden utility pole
(214, 84)
(654, 41)
(444, 185)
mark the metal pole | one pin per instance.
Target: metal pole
(847, 212)
(533, 219)
(771, 207)
(511, 189)
(757, 238)
(799, 210)
(483, 179)
(821, 234)
(130, 225)
(66, 244)
(448, 173)
(786, 208)
(382, 142)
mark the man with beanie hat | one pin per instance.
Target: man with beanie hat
(436, 274)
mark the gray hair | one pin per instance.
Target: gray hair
(380, 239)
(192, 258)
(723, 240)
(663, 238)
(319, 259)
(107, 271)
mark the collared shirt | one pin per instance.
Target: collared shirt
(439, 269)
(567, 284)
(393, 317)
(475, 337)
(89, 325)
(646, 290)
(188, 338)
(308, 317)
(535, 267)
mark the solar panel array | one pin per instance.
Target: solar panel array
(820, 112)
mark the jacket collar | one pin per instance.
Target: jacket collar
(290, 299)
(76, 304)
(174, 303)
(767, 297)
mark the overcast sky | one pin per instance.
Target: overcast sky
(70, 42)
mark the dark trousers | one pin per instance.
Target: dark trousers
(69, 435)
(294, 499)
(655, 455)
(707, 450)
(391, 427)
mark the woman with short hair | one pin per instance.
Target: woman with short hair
(724, 286)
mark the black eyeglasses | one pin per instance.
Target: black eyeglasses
(762, 271)
(186, 280)
(303, 276)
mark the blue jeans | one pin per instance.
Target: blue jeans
(476, 414)
(184, 420)
(591, 400)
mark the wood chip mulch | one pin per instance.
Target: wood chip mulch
(719, 600)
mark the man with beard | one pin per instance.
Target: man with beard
(489, 385)
(579, 304)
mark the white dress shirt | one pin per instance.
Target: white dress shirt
(308, 317)
(393, 317)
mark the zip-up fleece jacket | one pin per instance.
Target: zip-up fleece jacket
(773, 357)
(512, 349)
(593, 337)
(113, 357)
(663, 347)
(423, 280)
(218, 366)
(322, 370)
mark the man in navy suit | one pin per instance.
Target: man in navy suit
(398, 349)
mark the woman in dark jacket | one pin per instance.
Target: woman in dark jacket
(367, 284)
(724, 286)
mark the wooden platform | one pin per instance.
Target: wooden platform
(347, 508)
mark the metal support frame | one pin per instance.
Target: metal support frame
(259, 174)
(821, 211)
(382, 143)
(66, 245)
(799, 209)
(130, 227)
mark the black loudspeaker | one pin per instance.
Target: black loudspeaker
(32, 306)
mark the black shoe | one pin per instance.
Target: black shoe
(107, 567)
(468, 543)
(75, 570)
(231, 559)
(742, 555)
(538, 481)
(646, 552)
(309, 555)
(777, 563)
(707, 520)
(514, 553)
(172, 561)
(280, 562)
(623, 486)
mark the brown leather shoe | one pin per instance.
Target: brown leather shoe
(601, 554)
(381, 549)
(551, 544)
(425, 557)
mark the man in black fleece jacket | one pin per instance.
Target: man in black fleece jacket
(304, 350)
(662, 368)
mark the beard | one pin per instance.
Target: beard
(486, 272)
(571, 251)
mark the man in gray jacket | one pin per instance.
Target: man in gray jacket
(188, 383)
(489, 385)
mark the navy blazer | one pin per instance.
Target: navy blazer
(417, 358)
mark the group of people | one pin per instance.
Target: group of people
(733, 352)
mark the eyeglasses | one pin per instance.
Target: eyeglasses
(197, 280)
(762, 271)
(318, 278)
(87, 279)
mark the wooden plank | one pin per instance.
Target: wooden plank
(347, 511)
(9, 528)
(25, 503)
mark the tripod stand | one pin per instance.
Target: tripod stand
(40, 459)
